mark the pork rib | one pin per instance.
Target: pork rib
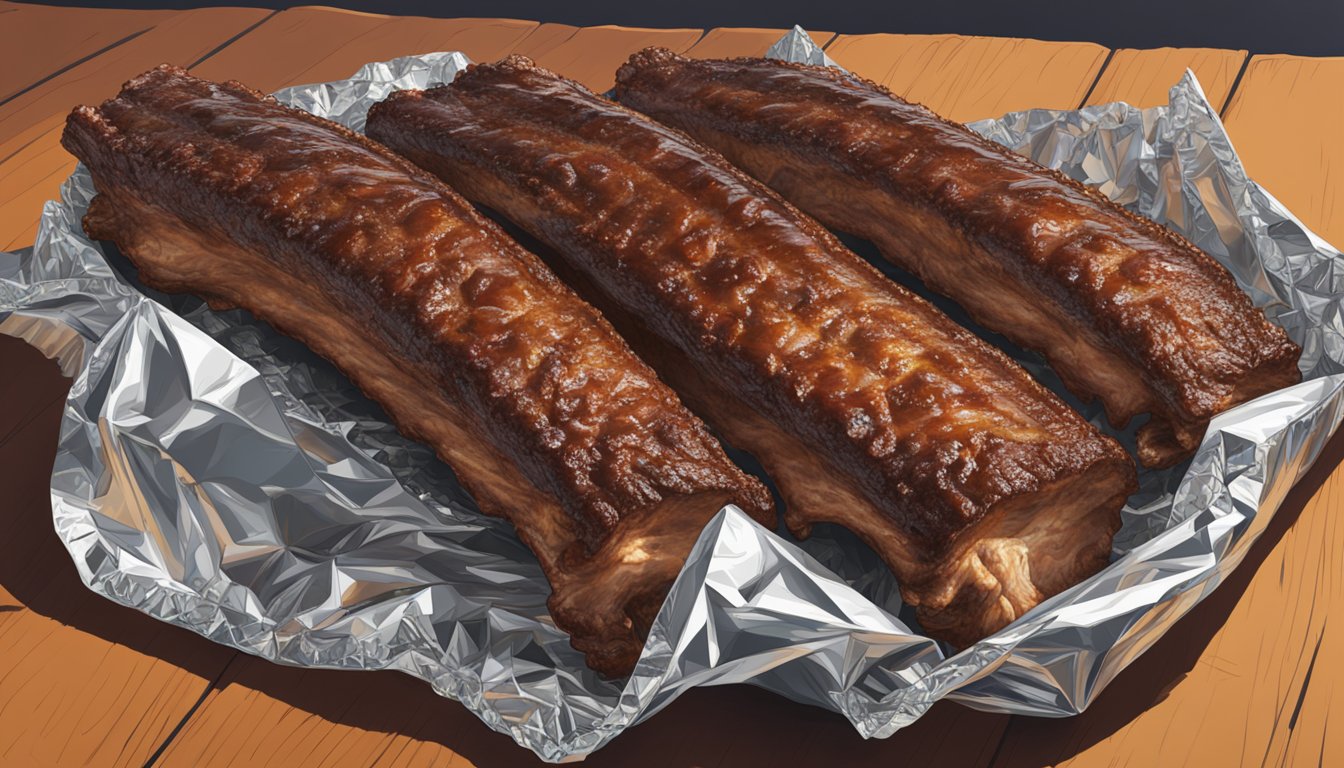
(1123, 309)
(869, 407)
(466, 339)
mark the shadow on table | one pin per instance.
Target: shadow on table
(736, 725)
(1146, 682)
(34, 566)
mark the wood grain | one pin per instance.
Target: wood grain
(730, 42)
(39, 40)
(1143, 77)
(591, 55)
(1249, 677)
(34, 164)
(260, 714)
(1285, 121)
(82, 680)
(309, 45)
(969, 78)
(176, 38)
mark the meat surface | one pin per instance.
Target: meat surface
(466, 339)
(1122, 308)
(869, 407)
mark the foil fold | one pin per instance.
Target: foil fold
(219, 476)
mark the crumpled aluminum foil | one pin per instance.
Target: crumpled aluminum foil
(217, 475)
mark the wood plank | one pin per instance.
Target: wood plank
(282, 700)
(309, 45)
(1143, 77)
(139, 728)
(591, 55)
(292, 47)
(159, 724)
(1249, 677)
(85, 682)
(744, 726)
(1047, 735)
(39, 40)
(1232, 682)
(265, 715)
(1285, 122)
(32, 162)
(544, 39)
(730, 42)
(261, 714)
(969, 78)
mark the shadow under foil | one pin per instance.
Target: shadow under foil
(1153, 676)
(736, 725)
(35, 567)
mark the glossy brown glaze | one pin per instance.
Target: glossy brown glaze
(467, 340)
(929, 432)
(1123, 309)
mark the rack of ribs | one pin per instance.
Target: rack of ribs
(979, 488)
(1123, 309)
(466, 339)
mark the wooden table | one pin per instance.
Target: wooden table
(1248, 677)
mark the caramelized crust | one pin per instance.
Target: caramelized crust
(869, 406)
(1122, 308)
(467, 340)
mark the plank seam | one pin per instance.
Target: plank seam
(24, 146)
(233, 39)
(74, 64)
(1236, 83)
(33, 414)
(1306, 681)
(213, 685)
(529, 35)
(1003, 739)
(1110, 54)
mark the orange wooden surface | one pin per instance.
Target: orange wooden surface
(591, 55)
(30, 125)
(1249, 677)
(39, 41)
(1143, 78)
(729, 42)
(1287, 122)
(308, 45)
(82, 680)
(969, 78)
(92, 683)
(1268, 666)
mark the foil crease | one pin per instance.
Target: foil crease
(218, 476)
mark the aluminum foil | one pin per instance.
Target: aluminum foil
(218, 476)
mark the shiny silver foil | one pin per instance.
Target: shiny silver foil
(218, 476)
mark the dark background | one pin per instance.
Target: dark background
(1304, 27)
